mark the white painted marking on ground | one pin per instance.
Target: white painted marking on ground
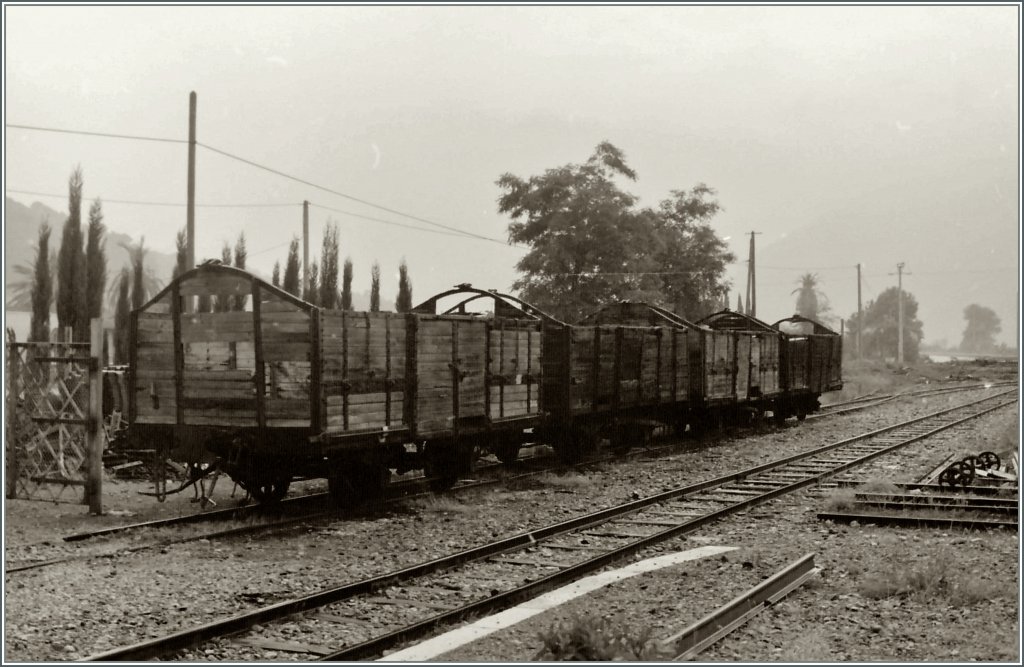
(468, 633)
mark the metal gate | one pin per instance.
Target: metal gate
(54, 435)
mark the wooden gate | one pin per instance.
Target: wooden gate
(54, 429)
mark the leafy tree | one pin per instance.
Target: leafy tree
(982, 326)
(71, 262)
(95, 261)
(589, 245)
(42, 288)
(222, 302)
(328, 268)
(375, 288)
(346, 285)
(240, 256)
(122, 316)
(312, 294)
(880, 337)
(693, 259)
(403, 303)
(276, 276)
(291, 270)
(181, 254)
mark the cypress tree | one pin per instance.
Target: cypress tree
(291, 270)
(70, 260)
(122, 317)
(222, 302)
(42, 289)
(312, 293)
(240, 257)
(375, 288)
(328, 268)
(346, 285)
(276, 278)
(181, 254)
(95, 261)
(403, 303)
(138, 274)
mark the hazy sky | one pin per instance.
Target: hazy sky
(794, 114)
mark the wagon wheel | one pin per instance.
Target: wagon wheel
(445, 463)
(352, 483)
(621, 440)
(507, 452)
(989, 460)
(270, 491)
(957, 474)
(972, 462)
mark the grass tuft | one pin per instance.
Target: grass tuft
(593, 638)
(569, 480)
(935, 579)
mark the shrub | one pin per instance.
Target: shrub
(593, 638)
(930, 580)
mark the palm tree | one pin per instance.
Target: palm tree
(151, 284)
(810, 302)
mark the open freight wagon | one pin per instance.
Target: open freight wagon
(812, 361)
(744, 365)
(269, 387)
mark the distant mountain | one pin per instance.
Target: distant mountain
(21, 231)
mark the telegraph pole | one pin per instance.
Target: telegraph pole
(899, 349)
(190, 215)
(305, 248)
(860, 317)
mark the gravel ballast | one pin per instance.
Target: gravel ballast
(77, 609)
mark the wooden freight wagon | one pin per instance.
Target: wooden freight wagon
(755, 368)
(490, 390)
(283, 388)
(239, 384)
(616, 374)
(812, 361)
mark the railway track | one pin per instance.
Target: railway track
(874, 399)
(362, 619)
(310, 508)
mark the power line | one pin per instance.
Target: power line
(388, 222)
(110, 135)
(347, 196)
(152, 203)
(252, 164)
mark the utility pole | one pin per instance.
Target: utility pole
(305, 247)
(899, 349)
(190, 224)
(860, 317)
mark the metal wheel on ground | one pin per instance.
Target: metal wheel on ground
(957, 474)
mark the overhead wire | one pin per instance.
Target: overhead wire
(387, 222)
(263, 167)
(110, 135)
(157, 203)
(347, 196)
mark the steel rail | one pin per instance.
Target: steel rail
(927, 500)
(689, 642)
(193, 636)
(236, 513)
(917, 521)
(503, 600)
(995, 489)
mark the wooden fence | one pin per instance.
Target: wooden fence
(54, 426)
